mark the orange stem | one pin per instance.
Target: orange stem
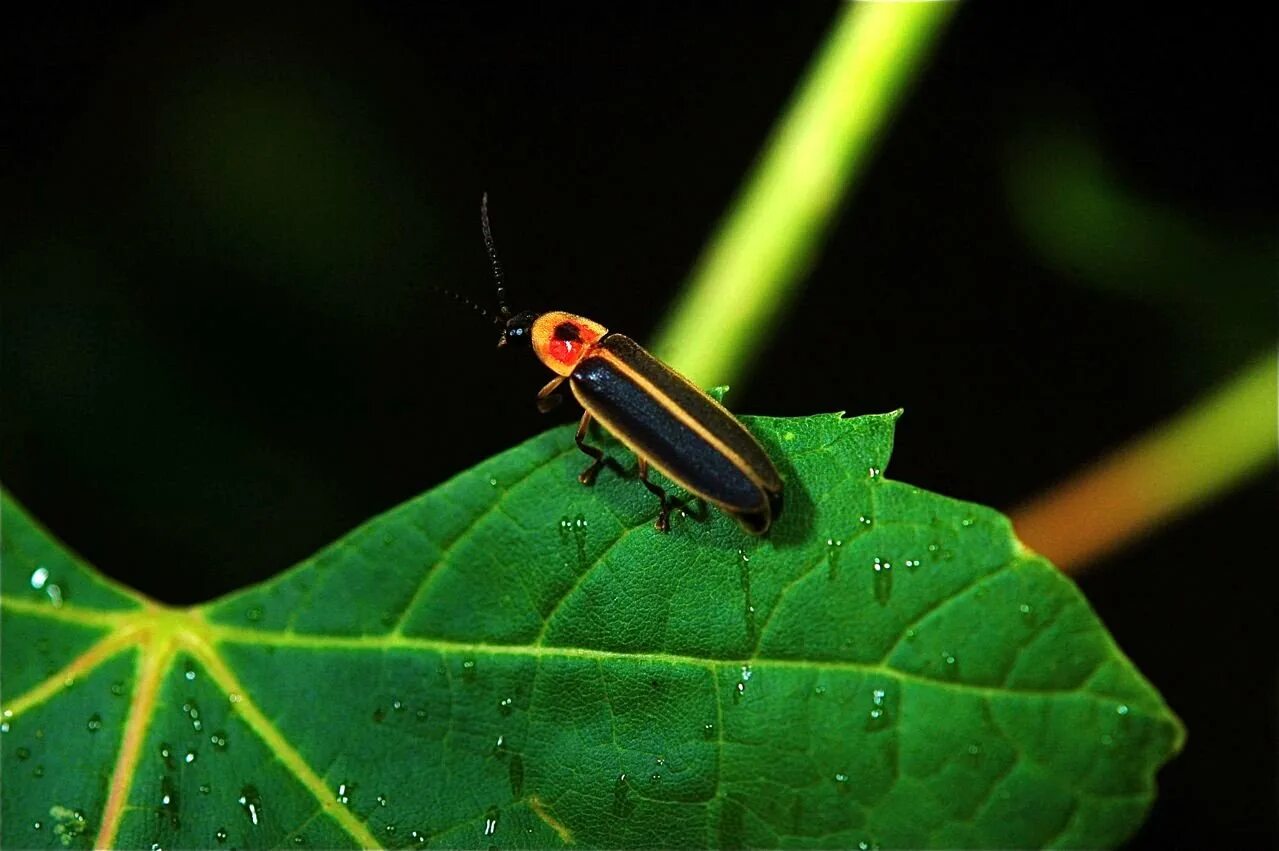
(1217, 443)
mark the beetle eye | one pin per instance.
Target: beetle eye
(518, 328)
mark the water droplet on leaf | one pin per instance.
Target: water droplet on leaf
(883, 578)
(877, 718)
(169, 800)
(68, 824)
(251, 801)
(623, 806)
(40, 582)
(193, 714)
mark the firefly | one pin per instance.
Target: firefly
(667, 421)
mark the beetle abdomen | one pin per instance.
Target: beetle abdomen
(679, 429)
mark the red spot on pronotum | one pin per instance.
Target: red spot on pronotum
(569, 341)
(564, 351)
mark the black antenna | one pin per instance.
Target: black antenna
(503, 309)
(461, 299)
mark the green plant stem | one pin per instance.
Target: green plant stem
(770, 236)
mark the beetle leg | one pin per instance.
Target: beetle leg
(587, 476)
(663, 515)
(701, 512)
(545, 401)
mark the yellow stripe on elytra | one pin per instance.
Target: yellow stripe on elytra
(680, 414)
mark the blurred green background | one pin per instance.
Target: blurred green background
(220, 350)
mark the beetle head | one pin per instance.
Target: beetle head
(518, 328)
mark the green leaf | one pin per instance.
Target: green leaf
(514, 660)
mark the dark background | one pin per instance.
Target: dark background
(220, 352)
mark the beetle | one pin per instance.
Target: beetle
(666, 420)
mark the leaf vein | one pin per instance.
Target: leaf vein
(441, 562)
